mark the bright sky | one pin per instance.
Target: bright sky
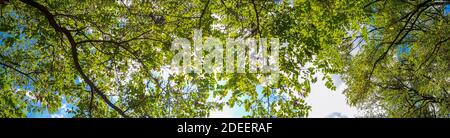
(328, 103)
(325, 103)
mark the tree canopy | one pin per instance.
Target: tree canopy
(111, 58)
(402, 69)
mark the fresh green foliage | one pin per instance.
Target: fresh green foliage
(402, 69)
(111, 58)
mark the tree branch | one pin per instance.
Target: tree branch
(17, 70)
(74, 52)
(432, 53)
(90, 103)
(398, 38)
(257, 18)
(203, 13)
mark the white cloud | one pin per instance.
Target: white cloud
(64, 107)
(325, 102)
(328, 103)
(57, 116)
(227, 112)
(336, 115)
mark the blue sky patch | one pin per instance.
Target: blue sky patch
(447, 9)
